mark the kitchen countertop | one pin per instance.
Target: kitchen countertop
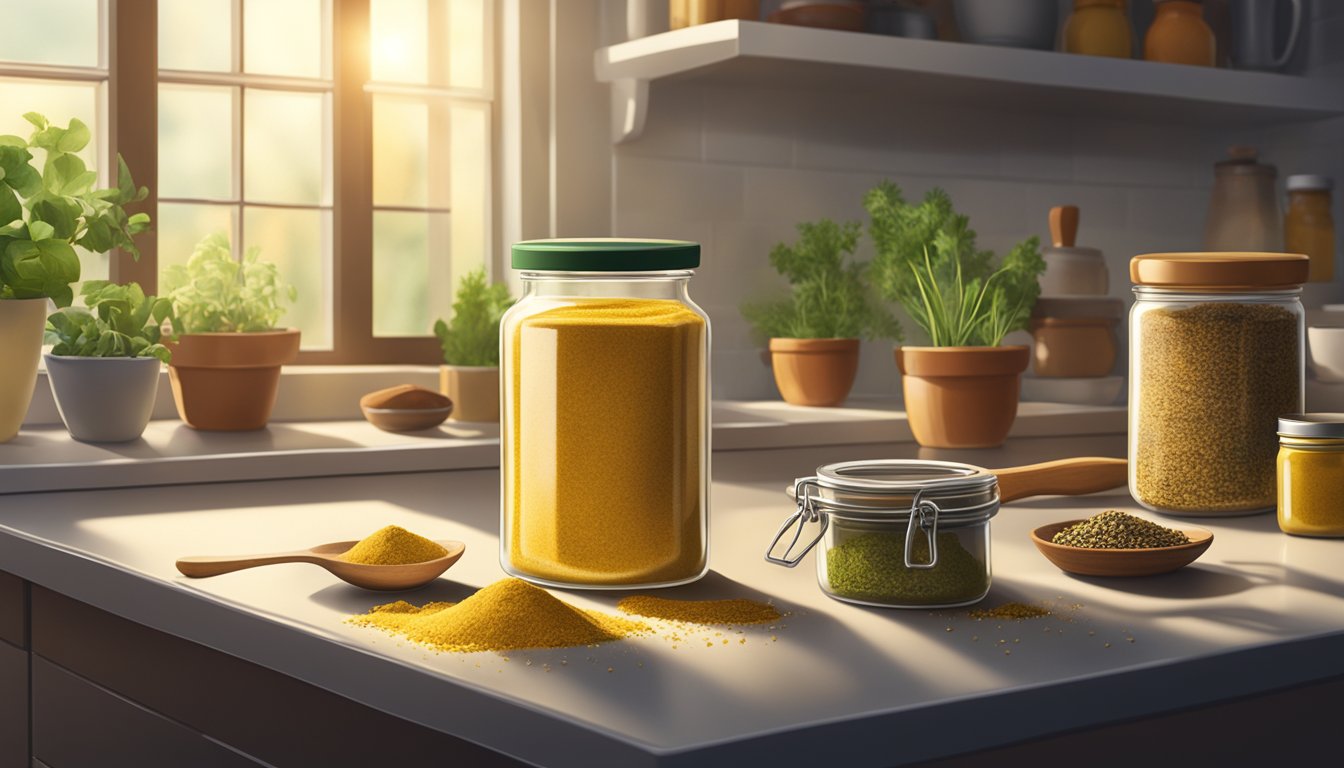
(834, 682)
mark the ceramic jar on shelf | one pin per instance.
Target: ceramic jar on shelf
(1099, 28)
(1179, 35)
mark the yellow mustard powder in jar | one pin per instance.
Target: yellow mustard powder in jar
(603, 474)
(604, 433)
(1311, 474)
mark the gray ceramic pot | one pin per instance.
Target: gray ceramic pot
(104, 399)
(1014, 23)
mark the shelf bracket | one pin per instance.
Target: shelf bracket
(629, 107)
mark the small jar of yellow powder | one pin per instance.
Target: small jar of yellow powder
(1311, 474)
(604, 432)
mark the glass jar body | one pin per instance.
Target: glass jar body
(1309, 228)
(863, 561)
(1310, 484)
(604, 431)
(1210, 373)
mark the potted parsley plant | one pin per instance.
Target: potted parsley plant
(961, 391)
(225, 367)
(469, 375)
(105, 360)
(813, 333)
(46, 210)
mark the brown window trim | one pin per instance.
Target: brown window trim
(133, 132)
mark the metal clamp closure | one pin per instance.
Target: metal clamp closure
(924, 516)
(806, 513)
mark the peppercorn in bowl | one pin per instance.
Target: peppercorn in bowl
(1118, 544)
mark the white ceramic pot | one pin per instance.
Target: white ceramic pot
(1074, 272)
(21, 324)
(1013, 23)
(1325, 350)
(104, 399)
(473, 390)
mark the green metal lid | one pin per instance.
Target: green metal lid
(605, 255)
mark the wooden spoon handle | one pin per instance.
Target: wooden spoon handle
(1064, 225)
(1066, 477)
(201, 567)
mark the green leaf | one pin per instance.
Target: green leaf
(36, 119)
(41, 230)
(10, 140)
(60, 214)
(10, 209)
(472, 337)
(213, 292)
(115, 323)
(76, 137)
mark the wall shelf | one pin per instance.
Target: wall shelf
(755, 54)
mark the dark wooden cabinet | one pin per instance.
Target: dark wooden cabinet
(13, 610)
(13, 706)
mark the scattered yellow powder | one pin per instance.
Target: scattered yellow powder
(509, 614)
(700, 611)
(393, 545)
(1011, 611)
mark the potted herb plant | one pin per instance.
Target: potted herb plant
(45, 211)
(225, 368)
(469, 375)
(814, 332)
(962, 391)
(104, 362)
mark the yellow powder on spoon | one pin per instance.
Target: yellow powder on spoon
(393, 545)
(507, 615)
(700, 611)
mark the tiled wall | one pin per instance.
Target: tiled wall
(736, 169)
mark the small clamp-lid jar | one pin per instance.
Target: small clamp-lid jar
(895, 533)
(1311, 474)
(604, 419)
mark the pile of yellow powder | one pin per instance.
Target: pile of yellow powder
(393, 545)
(728, 612)
(507, 615)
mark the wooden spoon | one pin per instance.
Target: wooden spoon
(377, 577)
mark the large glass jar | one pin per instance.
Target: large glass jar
(604, 428)
(1215, 358)
(895, 533)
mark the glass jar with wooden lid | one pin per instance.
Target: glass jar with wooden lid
(1215, 358)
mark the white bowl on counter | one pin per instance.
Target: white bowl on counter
(1103, 390)
(1325, 352)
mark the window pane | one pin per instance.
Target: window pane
(196, 35)
(298, 242)
(286, 140)
(399, 44)
(181, 225)
(92, 266)
(283, 37)
(59, 102)
(196, 142)
(412, 279)
(469, 176)
(401, 152)
(428, 42)
(51, 32)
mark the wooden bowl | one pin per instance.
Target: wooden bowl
(405, 419)
(1119, 562)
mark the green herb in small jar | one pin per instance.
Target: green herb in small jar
(1118, 530)
(870, 567)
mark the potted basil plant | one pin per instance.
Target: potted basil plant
(104, 363)
(469, 375)
(225, 367)
(962, 390)
(813, 333)
(46, 210)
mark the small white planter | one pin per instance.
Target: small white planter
(104, 399)
(473, 390)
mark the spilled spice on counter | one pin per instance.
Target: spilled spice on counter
(1010, 611)
(507, 615)
(1118, 530)
(393, 545)
(728, 612)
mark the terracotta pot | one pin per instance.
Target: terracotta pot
(227, 381)
(21, 324)
(474, 391)
(961, 397)
(1081, 347)
(817, 372)
(104, 399)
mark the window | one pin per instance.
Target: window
(350, 140)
